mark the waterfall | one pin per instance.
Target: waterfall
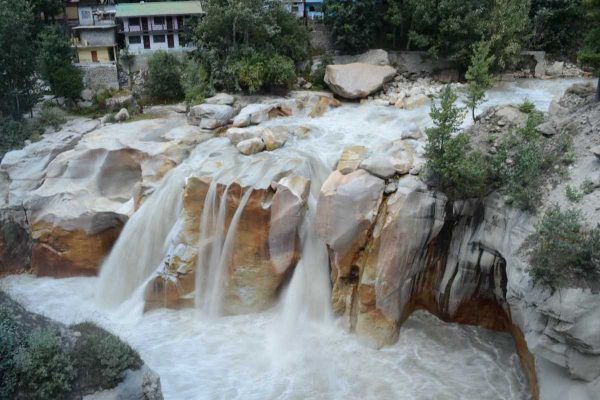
(140, 247)
(308, 296)
(215, 249)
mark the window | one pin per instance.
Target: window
(134, 22)
(158, 38)
(159, 20)
(86, 14)
(135, 39)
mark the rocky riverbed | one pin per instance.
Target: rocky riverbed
(299, 209)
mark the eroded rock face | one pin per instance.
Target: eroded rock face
(357, 80)
(266, 248)
(15, 240)
(76, 190)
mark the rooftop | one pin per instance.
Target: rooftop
(126, 10)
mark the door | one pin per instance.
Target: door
(169, 23)
(146, 41)
(170, 41)
(94, 56)
(144, 24)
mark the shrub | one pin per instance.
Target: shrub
(527, 106)
(164, 77)
(66, 82)
(318, 75)
(525, 160)
(458, 172)
(587, 186)
(261, 72)
(12, 135)
(562, 252)
(45, 370)
(52, 116)
(10, 341)
(573, 195)
(102, 358)
(194, 81)
(353, 24)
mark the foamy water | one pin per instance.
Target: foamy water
(296, 350)
(242, 357)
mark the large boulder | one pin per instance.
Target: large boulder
(254, 114)
(221, 99)
(251, 146)
(357, 80)
(211, 116)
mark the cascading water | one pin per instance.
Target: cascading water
(141, 245)
(215, 249)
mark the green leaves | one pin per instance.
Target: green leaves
(479, 76)
(164, 77)
(562, 252)
(354, 24)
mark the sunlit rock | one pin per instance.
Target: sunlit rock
(251, 146)
(357, 80)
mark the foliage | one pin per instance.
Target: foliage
(478, 76)
(318, 75)
(52, 116)
(573, 195)
(527, 106)
(557, 25)
(261, 72)
(589, 55)
(164, 77)
(451, 27)
(66, 82)
(587, 186)
(18, 89)
(243, 33)
(525, 160)
(54, 52)
(194, 80)
(47, 371)
(126, 60)
(13, 134)
(353, 24)
(102, 358)
(458, 173)
(562, 252)
(10, 340)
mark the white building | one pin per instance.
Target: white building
(148, 27)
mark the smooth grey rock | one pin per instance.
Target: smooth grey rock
(251, 146)
(237, 135)
(210, 116)
(596, 151)
(122, 115)
(143, 384)
(221, 99)
(357, 80)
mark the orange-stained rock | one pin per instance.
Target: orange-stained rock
(63, 252)
(266, 245)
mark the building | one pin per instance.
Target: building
(94, 38)
(148, 27)
(314, 8)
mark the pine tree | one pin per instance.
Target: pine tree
(478, 75)
(590, 54)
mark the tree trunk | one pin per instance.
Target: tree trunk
(598, 90)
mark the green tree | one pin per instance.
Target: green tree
(557, 25)
(164, 77)
(66, 81)
(395, 16)
(18, 89)
(450, 28)
(235, 31)
(354, 24)
(479, 76)
(458, 172)
(590, 53)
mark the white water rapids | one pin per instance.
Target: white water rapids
(296, 350)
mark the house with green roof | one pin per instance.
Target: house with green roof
(148, 27)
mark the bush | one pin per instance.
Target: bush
(102, 358)
(52, 116)
(194, 81)
(12, 135)
(10, 341)
(573, 195)
(267, 73)
(562, 252)
(66, 82)
(557, 25)
(527, 106)
(45, 370)
(458, 172)
(354, 24)
(164, 77)
(525, 160)
(318, 75)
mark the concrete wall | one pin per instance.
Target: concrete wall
(97, 37)
(99, 76)
(140, 61)
(138, 48)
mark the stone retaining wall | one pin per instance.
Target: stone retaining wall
(99, 76)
